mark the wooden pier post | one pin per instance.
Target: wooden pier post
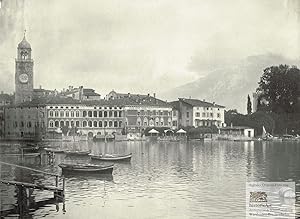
(56, 181)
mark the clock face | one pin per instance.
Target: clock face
(23, 78)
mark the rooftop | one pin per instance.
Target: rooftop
(24, 44)
(235, 128)
(128, 101)
(196, 102)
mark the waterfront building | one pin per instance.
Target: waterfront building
(197, 113)
(41, 117)
(175, 114)
(5, 100)
(236, 132)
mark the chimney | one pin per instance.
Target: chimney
(148, 95)
(190, 97)
(40, 86)
(128, 94)
(154, 95)
(203, 100)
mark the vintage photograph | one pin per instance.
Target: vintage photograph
(149, 109)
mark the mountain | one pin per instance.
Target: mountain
(229, 85)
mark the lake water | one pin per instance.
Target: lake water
(163, 180)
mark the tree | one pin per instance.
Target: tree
(249, 106)
(279, 87)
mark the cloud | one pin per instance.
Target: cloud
(144, 46)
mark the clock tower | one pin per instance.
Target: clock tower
(24, 73)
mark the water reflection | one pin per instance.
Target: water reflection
(163, 179)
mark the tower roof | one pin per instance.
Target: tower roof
(24, 44)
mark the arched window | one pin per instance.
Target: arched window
(50, 113)
(162, 122)
(100, 123)
(120, 124)
(139, 121)
(62, 113)
(29, 124)
(95, 114)
(56, 124)
(72, 114)
(67, 113)
(51, 124)
(62, 123)
(90, 113)
(84, 114)
(95, 123)
(145, 121)
(100, 113)
(77, 124)
(56, 113)
(115, 114)
(22, 124)
(115, 123)
(110, 113)
(90, 124)
(120, 113)
(110, 123)
(105, 113)
(67, 123)
(105, 123)
(77, 113)
(84, 123)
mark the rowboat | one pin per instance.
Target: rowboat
(77, 153)
(55, 150)
(111, 157)
(23, 155)
(86, 168)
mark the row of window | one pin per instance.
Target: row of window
(151, 123)
(206, 108)
(77, 107)
(62, 113)
(91, 124)
(28, 124)
(208, 115)
(153, 113)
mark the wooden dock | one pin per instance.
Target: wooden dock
(32, 186)
(58, 192)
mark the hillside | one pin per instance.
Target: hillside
(229, 85)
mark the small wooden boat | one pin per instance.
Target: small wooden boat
(23, 155)
(30, 149)
(111, 157)
(86, 168)
(77, 153)
(55, 150)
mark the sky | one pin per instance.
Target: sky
(145, 46)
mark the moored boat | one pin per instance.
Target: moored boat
(55, 150)
(112, 157)
(77, 153)
(86, 168)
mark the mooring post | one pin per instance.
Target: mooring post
(56, 181)
(22, 154)
(64, 184)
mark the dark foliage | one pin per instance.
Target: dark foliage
(279, 88)
(249, 105)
